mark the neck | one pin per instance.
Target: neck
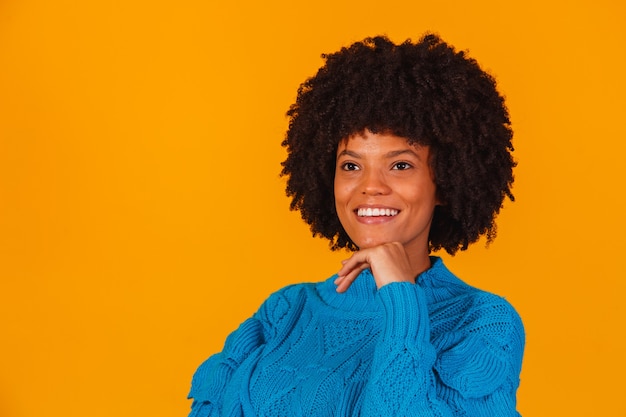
(419, 262)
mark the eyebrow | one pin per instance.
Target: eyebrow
(391, 154)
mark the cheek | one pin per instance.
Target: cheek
(342, 199)
(340, 204)
(424, 195)
(341, 192)
(338, 197)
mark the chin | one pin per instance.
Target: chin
(370, 243)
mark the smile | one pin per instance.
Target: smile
(376, 212)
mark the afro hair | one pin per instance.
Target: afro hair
(426, 92)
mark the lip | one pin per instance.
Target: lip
(373, 206)
(377, 219)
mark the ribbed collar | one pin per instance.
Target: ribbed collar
(361, 295)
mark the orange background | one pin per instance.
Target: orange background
(142, 217)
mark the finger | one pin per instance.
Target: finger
(344, 282)
(355, 261)
(350, 270)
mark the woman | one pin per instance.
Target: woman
(394, 151)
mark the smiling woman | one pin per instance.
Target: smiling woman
(384, 192)
(394, 151)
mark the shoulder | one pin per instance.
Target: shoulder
(493, 316)
(460, 308)
(446, 286)
(283, 303)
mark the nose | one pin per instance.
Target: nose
(374, 183)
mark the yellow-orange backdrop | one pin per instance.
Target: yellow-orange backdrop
(142, 217)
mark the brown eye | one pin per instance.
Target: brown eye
(401, 166)
(349, 166)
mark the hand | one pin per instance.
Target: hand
(389, 262)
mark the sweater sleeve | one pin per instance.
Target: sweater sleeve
(214, 375)
(471, 371)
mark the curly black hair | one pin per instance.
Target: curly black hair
(426, 92)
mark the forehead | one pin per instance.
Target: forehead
(378, 143)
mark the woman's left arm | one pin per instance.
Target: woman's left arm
(471, 370)
(476, 375)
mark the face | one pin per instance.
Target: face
(384, 191)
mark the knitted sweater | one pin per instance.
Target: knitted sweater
(438, 348)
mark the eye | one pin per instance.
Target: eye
(349, 166)
(401, 166)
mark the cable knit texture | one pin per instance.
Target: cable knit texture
(435, 348)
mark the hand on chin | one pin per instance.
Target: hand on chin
(389, 262)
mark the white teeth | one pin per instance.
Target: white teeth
(370, 212)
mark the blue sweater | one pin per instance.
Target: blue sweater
(438, 348)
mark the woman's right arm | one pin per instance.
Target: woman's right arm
(210, 380)
(213, 376)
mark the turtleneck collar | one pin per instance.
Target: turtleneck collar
(361, 295)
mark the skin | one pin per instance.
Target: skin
(381, 170)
